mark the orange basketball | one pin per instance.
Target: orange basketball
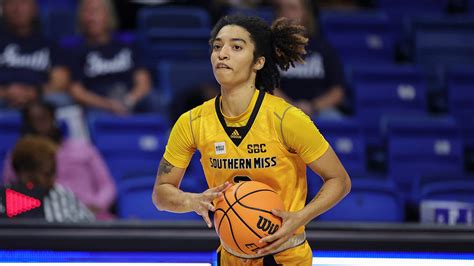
(243, 216)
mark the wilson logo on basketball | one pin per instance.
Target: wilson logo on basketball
(266, 225)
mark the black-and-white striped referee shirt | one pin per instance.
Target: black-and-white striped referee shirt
(60, 205)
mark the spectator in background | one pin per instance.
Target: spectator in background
(191, 98)
(108, 73)
(30, 66)
(219, 8)
(316, 87)
(34, 162)
(79, 165)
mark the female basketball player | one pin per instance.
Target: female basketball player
(247, 122)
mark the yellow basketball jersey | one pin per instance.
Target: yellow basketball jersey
(252, 151)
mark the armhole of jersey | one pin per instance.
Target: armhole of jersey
(191, 126)
(281, 129)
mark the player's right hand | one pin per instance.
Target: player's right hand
(201, 203)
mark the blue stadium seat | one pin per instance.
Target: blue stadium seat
(265, 13)
(171, 79)
(449, 190)
(400, 10)
(130, 145)
(69, 42)
(174, 32)
(57, 23)
(423, 182)
(443, 40)
(388, 89)
(460, 83)
(314, 183)
(466, 125)
(176, 44)
(10, 125)
(173, 17)
(423, 147)
(47, 5)
(370, 200)
(194, 179)
(384, 90)
(447, 201)
(135, 202)
(360, 37)
(470, 7)
(345, 137)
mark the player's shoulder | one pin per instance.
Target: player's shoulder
(285, 111)
(199, 111)
(278, 105)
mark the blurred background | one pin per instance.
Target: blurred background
(89, 91)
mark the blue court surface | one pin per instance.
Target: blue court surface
(326, 258)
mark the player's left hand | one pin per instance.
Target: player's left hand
(290, 222)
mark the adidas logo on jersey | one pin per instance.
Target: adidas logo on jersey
(235, 135)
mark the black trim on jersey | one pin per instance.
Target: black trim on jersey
(241, 131)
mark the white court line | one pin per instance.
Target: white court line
(327, 261)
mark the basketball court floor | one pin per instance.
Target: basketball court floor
(326, 258)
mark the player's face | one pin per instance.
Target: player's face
(232, 56)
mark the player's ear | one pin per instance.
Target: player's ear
(259, 63)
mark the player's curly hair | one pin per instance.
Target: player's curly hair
(282, 44)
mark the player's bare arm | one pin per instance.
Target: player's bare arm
(167, 195)
(165, 167)
(337, 185)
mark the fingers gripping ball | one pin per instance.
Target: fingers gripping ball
(243, 216)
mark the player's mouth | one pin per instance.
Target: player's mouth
(222, 66)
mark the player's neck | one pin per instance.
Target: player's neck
(235, 101)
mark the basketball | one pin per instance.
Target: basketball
(243, 216)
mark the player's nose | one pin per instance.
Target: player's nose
(224, 53)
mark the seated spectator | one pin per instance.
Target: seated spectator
(34, 162)
(80, 167)
(30, 66)
(108, 73)
(191, 98)
(316, 87)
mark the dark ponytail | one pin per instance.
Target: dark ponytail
(282, 45)
(289, 43)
